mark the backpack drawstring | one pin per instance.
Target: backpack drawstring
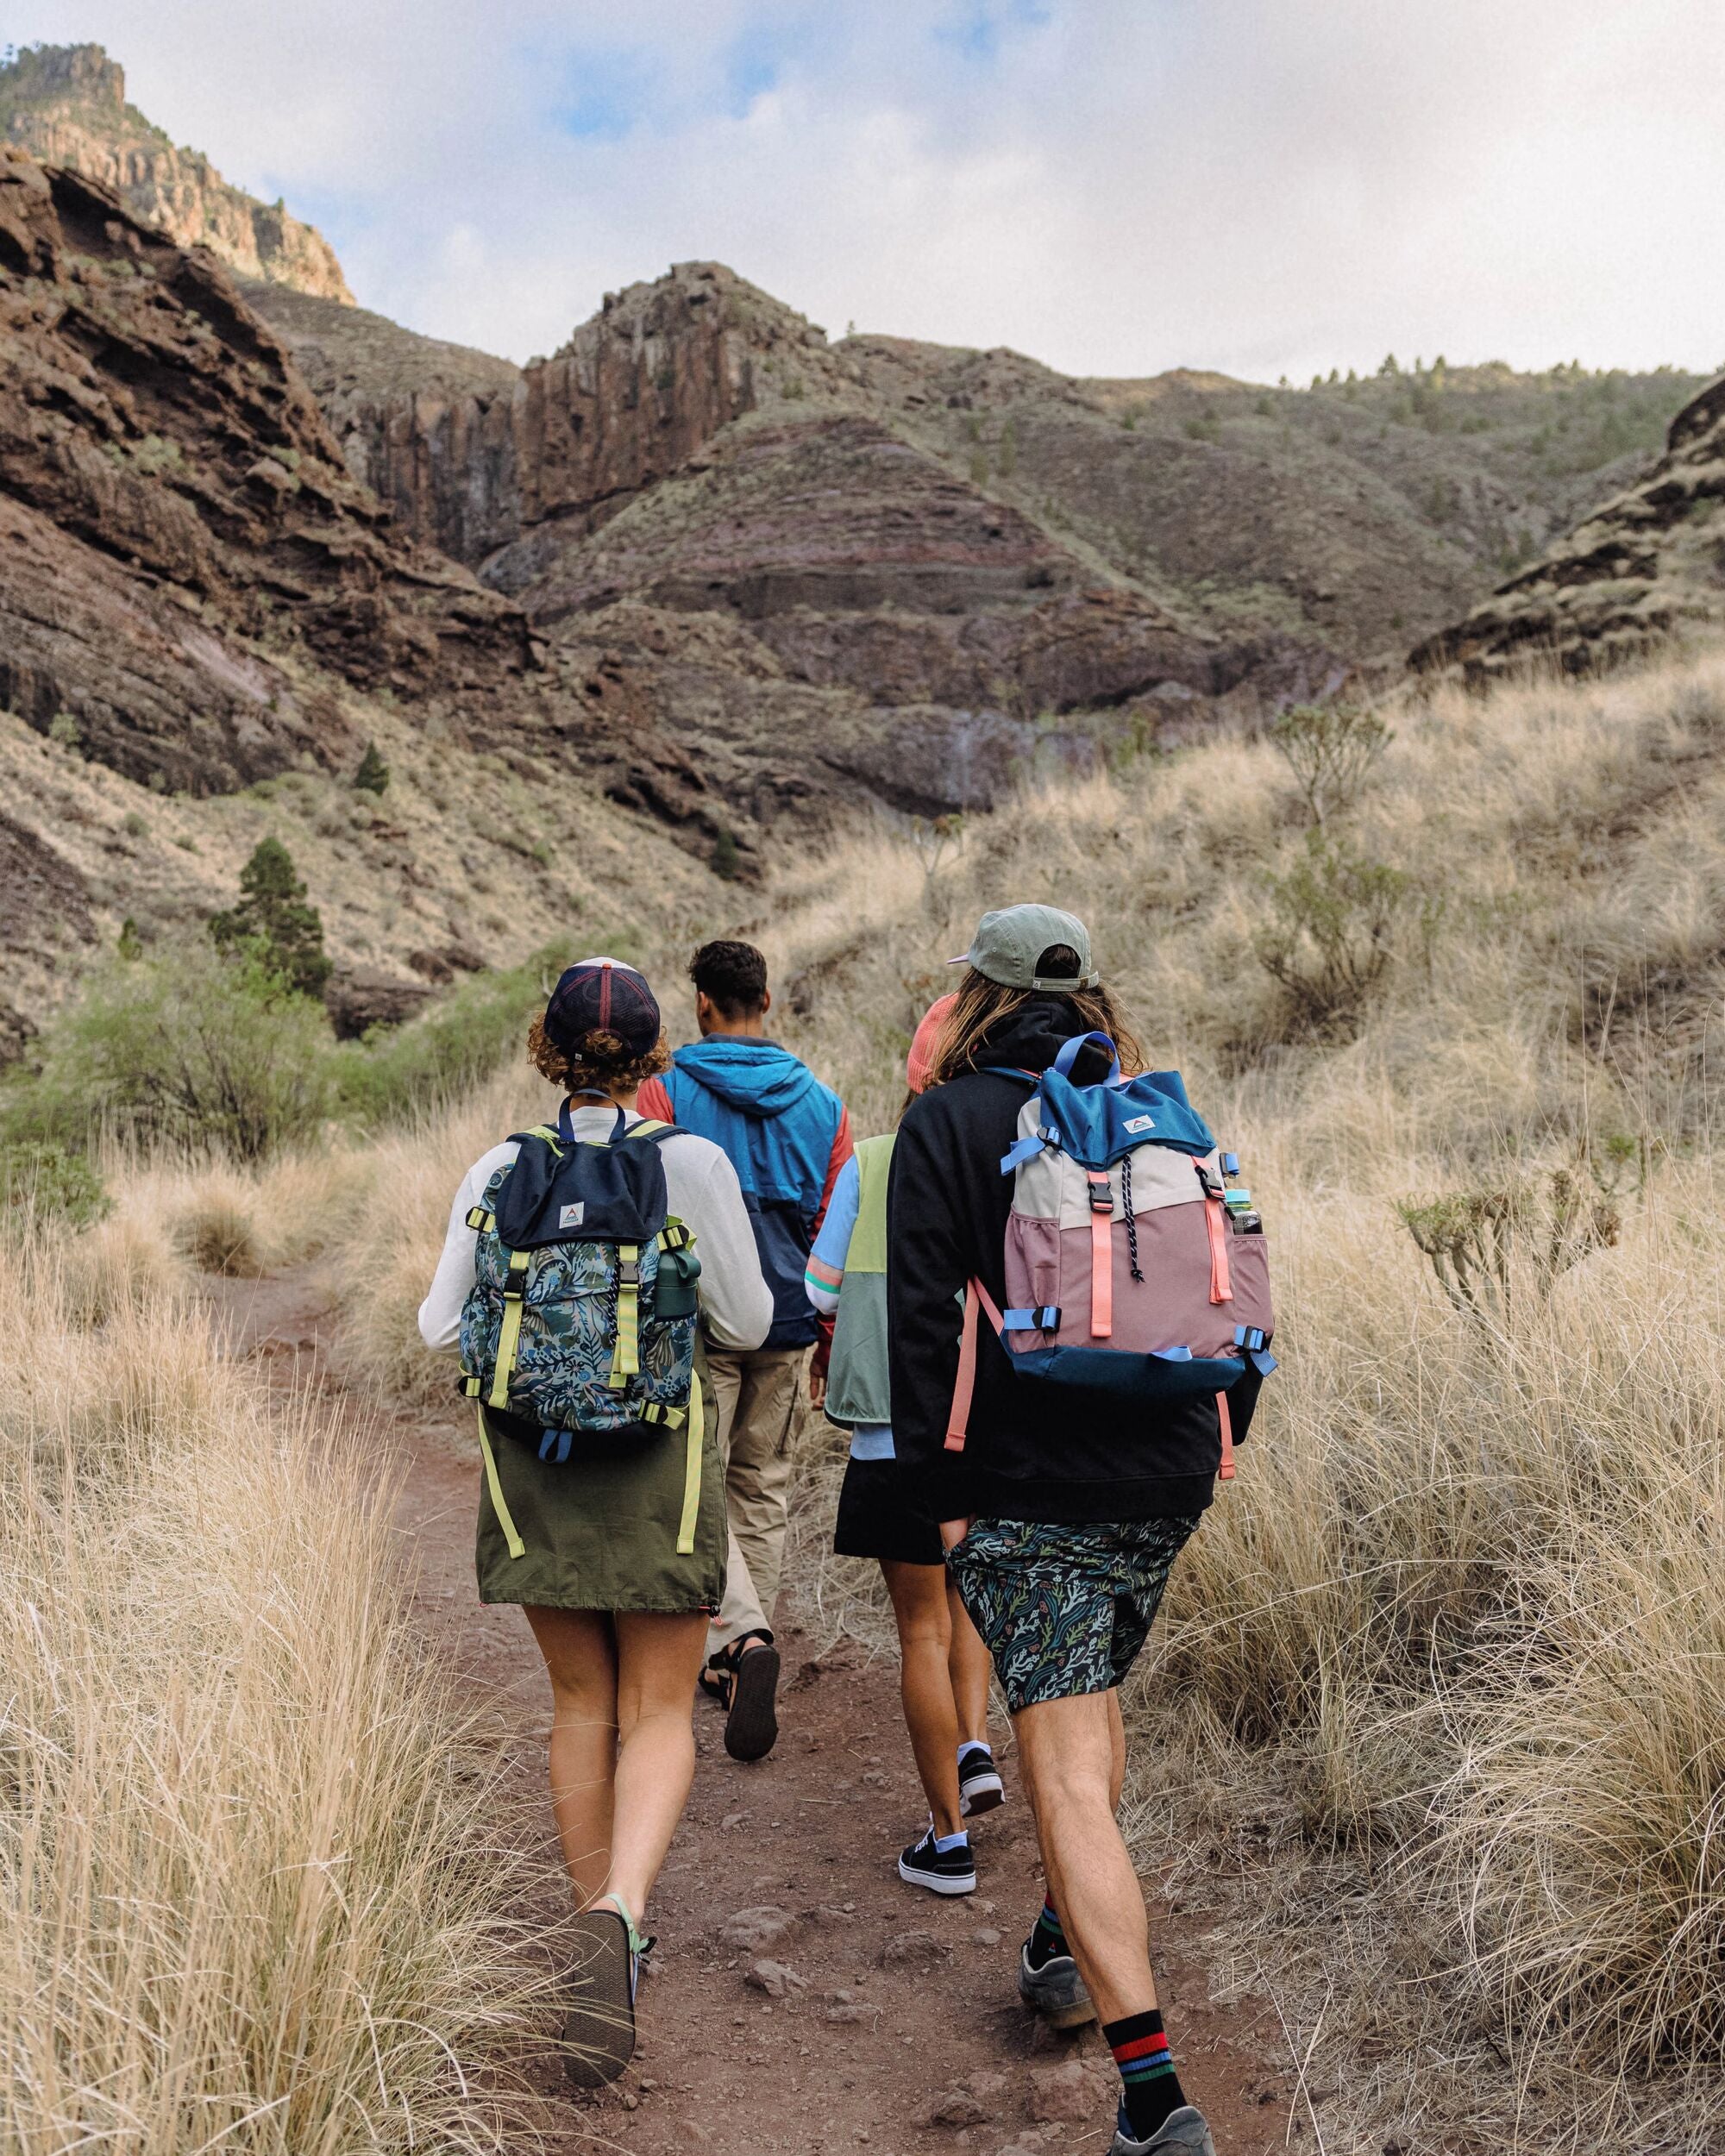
(1132, 1217)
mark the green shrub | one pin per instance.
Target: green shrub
(465, 1036)
(727, 862)
(272, 925)
(41, 1182)
(1330, 942)
(1331, 748)
(373, 775)
(189, 1046)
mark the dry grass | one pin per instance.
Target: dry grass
(1443, 1678)
(1443, 1674)
(246, 1897)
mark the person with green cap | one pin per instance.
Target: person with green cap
(1062, 1518)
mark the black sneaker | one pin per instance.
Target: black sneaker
(980, 1787)
(942, 1872)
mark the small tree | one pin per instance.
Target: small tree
(1477, 1241)
(1331, 748)
(727, 861)
(273, 925)
(934, 842)
(373, 775)
(1331, 940)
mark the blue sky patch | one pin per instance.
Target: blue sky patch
(979, 29)
(605, 92)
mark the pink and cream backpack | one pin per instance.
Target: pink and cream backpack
(1136, 1266)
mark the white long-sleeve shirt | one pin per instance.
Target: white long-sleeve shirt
(703, 1190)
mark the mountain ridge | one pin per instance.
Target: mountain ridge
(66, 105)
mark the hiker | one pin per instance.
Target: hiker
(1066, 1503)
(787, 1136)
(943, 1665)
(576, 1256)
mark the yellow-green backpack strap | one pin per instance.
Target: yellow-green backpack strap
(509, 1334)
(626, 1361)
(691, 1469)
(518, 1548)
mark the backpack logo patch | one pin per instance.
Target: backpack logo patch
(572, 1216)
(1140, 1123)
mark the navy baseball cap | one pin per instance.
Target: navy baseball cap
(603, 995)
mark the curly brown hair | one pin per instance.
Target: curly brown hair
(599, 1062)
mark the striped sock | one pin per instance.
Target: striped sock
(1150, 2088)
(1046, 1939)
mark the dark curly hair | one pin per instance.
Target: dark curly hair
(599, 1061)
(733, 974)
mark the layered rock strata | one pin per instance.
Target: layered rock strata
(176, 525)
(1650, 564)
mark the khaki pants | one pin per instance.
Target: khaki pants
(754, 1398)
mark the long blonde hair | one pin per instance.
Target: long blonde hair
(981, 1004)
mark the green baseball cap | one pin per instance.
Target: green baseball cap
(1009, 941)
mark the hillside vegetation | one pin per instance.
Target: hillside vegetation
(1442, 1680)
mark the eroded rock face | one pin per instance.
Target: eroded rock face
(1647, 565)
(66, 105)
(178, 524)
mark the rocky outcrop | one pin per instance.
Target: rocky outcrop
(1647, 566)
(429, 427)
(66, 105)
(178, 526)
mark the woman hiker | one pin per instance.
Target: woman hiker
(614, 1546)
(943, 1666)
(1063, 1518)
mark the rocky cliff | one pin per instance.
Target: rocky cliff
(181, 538)
(67, 105)
(1648, 565)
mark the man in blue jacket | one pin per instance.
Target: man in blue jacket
(787, 1136)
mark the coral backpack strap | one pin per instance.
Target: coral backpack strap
(976, 1299)
(1225, 1473)
(1102, 1253)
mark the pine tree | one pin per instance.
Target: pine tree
(273, 923)
(373, 775)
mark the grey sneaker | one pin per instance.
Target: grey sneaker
(1182, 2133)
(1055, 1990)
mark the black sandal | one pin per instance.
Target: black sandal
(598, 2030)
(747, 1687)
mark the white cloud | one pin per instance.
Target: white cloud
(1114, 185)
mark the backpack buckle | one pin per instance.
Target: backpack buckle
(628, 1272)
(1102, 1194)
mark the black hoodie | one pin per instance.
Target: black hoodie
(1035, 1450)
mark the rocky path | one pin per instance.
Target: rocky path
(804, 1999)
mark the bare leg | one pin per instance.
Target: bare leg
(657, 1657)
(580, 1658)
(1071, 1754)
(967, 1660)
(622, 1752)
(919, 1598)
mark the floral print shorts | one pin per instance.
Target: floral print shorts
(1065, 1610)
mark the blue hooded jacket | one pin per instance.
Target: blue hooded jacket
(784, 1133)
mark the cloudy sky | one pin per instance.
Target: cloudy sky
(1117, 186)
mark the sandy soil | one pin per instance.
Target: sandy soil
(889, 2018)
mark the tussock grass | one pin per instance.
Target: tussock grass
(1441, 1677)
(248, 1898)
(1442, 1670)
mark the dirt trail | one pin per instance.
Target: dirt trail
(898, 2028)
